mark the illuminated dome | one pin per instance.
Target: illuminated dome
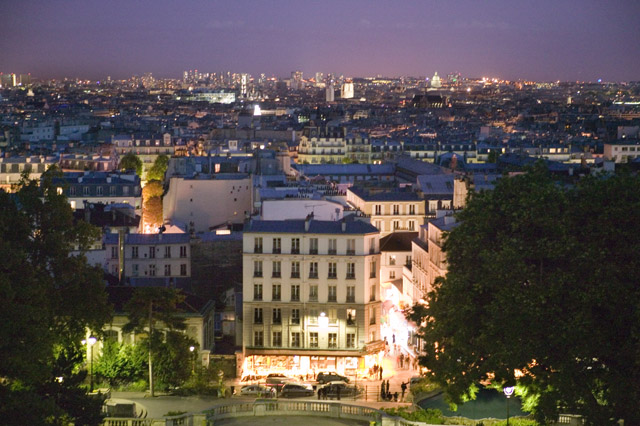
(435, 81)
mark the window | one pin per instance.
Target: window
(378, 209)
(257, 292)
(313, 270)
(313, 340)
(276, 292)
(333, 270)
(392, 275)
(333, 246)
(167, 252)
(396, 209)
(313, 246)
(275, 272)
(351, 294)
(351, 271)
(351, 316)
(183, 269)
(125, 191)
(372, 246)
(411, 225)
(257, 268)
(295, 293)
(313, 316)
(295, 269)
(277, 316)
(392, 260)
(112, 190)
(257, 245)
(351, 247)
(295, 316)
(183, 251)
(167, 270)
(372, 293)
(135, 269)
(295, 340)
(114, 252)
(258, 338)
(257, 315)
(333, 293)
(351, 340)
(313, 293)
(152, 270)
(412, 209)
(372, 270)
(72, 190)
(372, 315)
(277, 247)
(295, 245)
(99, 191)
(396, 225)
(152, 252)
(333, 340)
(333, 316)
(134, 252)
(85, 190)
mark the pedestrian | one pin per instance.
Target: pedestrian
(395, 397)
(383, 392)
(338, 392)
(393, 338)
(403, 387)
(401, 360)
(380, 370)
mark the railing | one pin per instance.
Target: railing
(261, 408)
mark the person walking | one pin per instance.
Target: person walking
(380, 371)
(403, 388)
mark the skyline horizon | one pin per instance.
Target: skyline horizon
(572, 40)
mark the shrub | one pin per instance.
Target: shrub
(429, 415)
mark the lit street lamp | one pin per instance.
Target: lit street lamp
(508, 391)
(90, 341)
(193, 366)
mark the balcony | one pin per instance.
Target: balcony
(351, 276)
(351, 299)
(257, 249)
(351, 252)
(276, 250)
(276, 274)
(295, 251)
(295, 275)
(333, 251)
(313, 251)
(313, 275)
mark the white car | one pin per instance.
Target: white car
(255, 390)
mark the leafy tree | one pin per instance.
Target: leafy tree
(153, 188)
(121, 363)
(173, 360)
(48, 299)
(543, 285)
(148, 307)
(159, 168)
(153, 213)
(131, 161)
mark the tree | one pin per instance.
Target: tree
(131, 161)
(149, 306)
(152, 203)
(48, 299)
(159, 168)
(542, 291)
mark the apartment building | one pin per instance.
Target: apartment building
(311, 293)
(389, 211)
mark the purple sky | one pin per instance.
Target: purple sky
(514, 39)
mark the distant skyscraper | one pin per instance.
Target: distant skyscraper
(25, 79)
(319, 80)
(296, 80)
(330, 92)
(244, 82)
(347, 90)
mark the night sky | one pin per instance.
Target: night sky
(544, 40)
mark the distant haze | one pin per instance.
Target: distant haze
(544, 40)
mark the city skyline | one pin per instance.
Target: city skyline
(543, 41)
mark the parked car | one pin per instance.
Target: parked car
(326, 377)
(295, 390)
(257, 390)
(330, 390)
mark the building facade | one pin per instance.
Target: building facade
(311, 292)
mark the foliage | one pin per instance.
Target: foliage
(153, 188)
(206, 380)
(172, 359)
(430, 416)
(121, 363)
(543, 281)
(48, 299)
(159, 168)
(131, 161)
(174, 413)
(153, 213)
(424, 386)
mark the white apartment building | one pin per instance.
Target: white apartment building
(311, 297)
(389, 211)
(157, 258)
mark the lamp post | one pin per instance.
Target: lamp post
(193, 367)
(90, 341)
(508, 391)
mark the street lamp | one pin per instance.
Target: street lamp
(90, 341)
(193, 367)
(508, 391)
